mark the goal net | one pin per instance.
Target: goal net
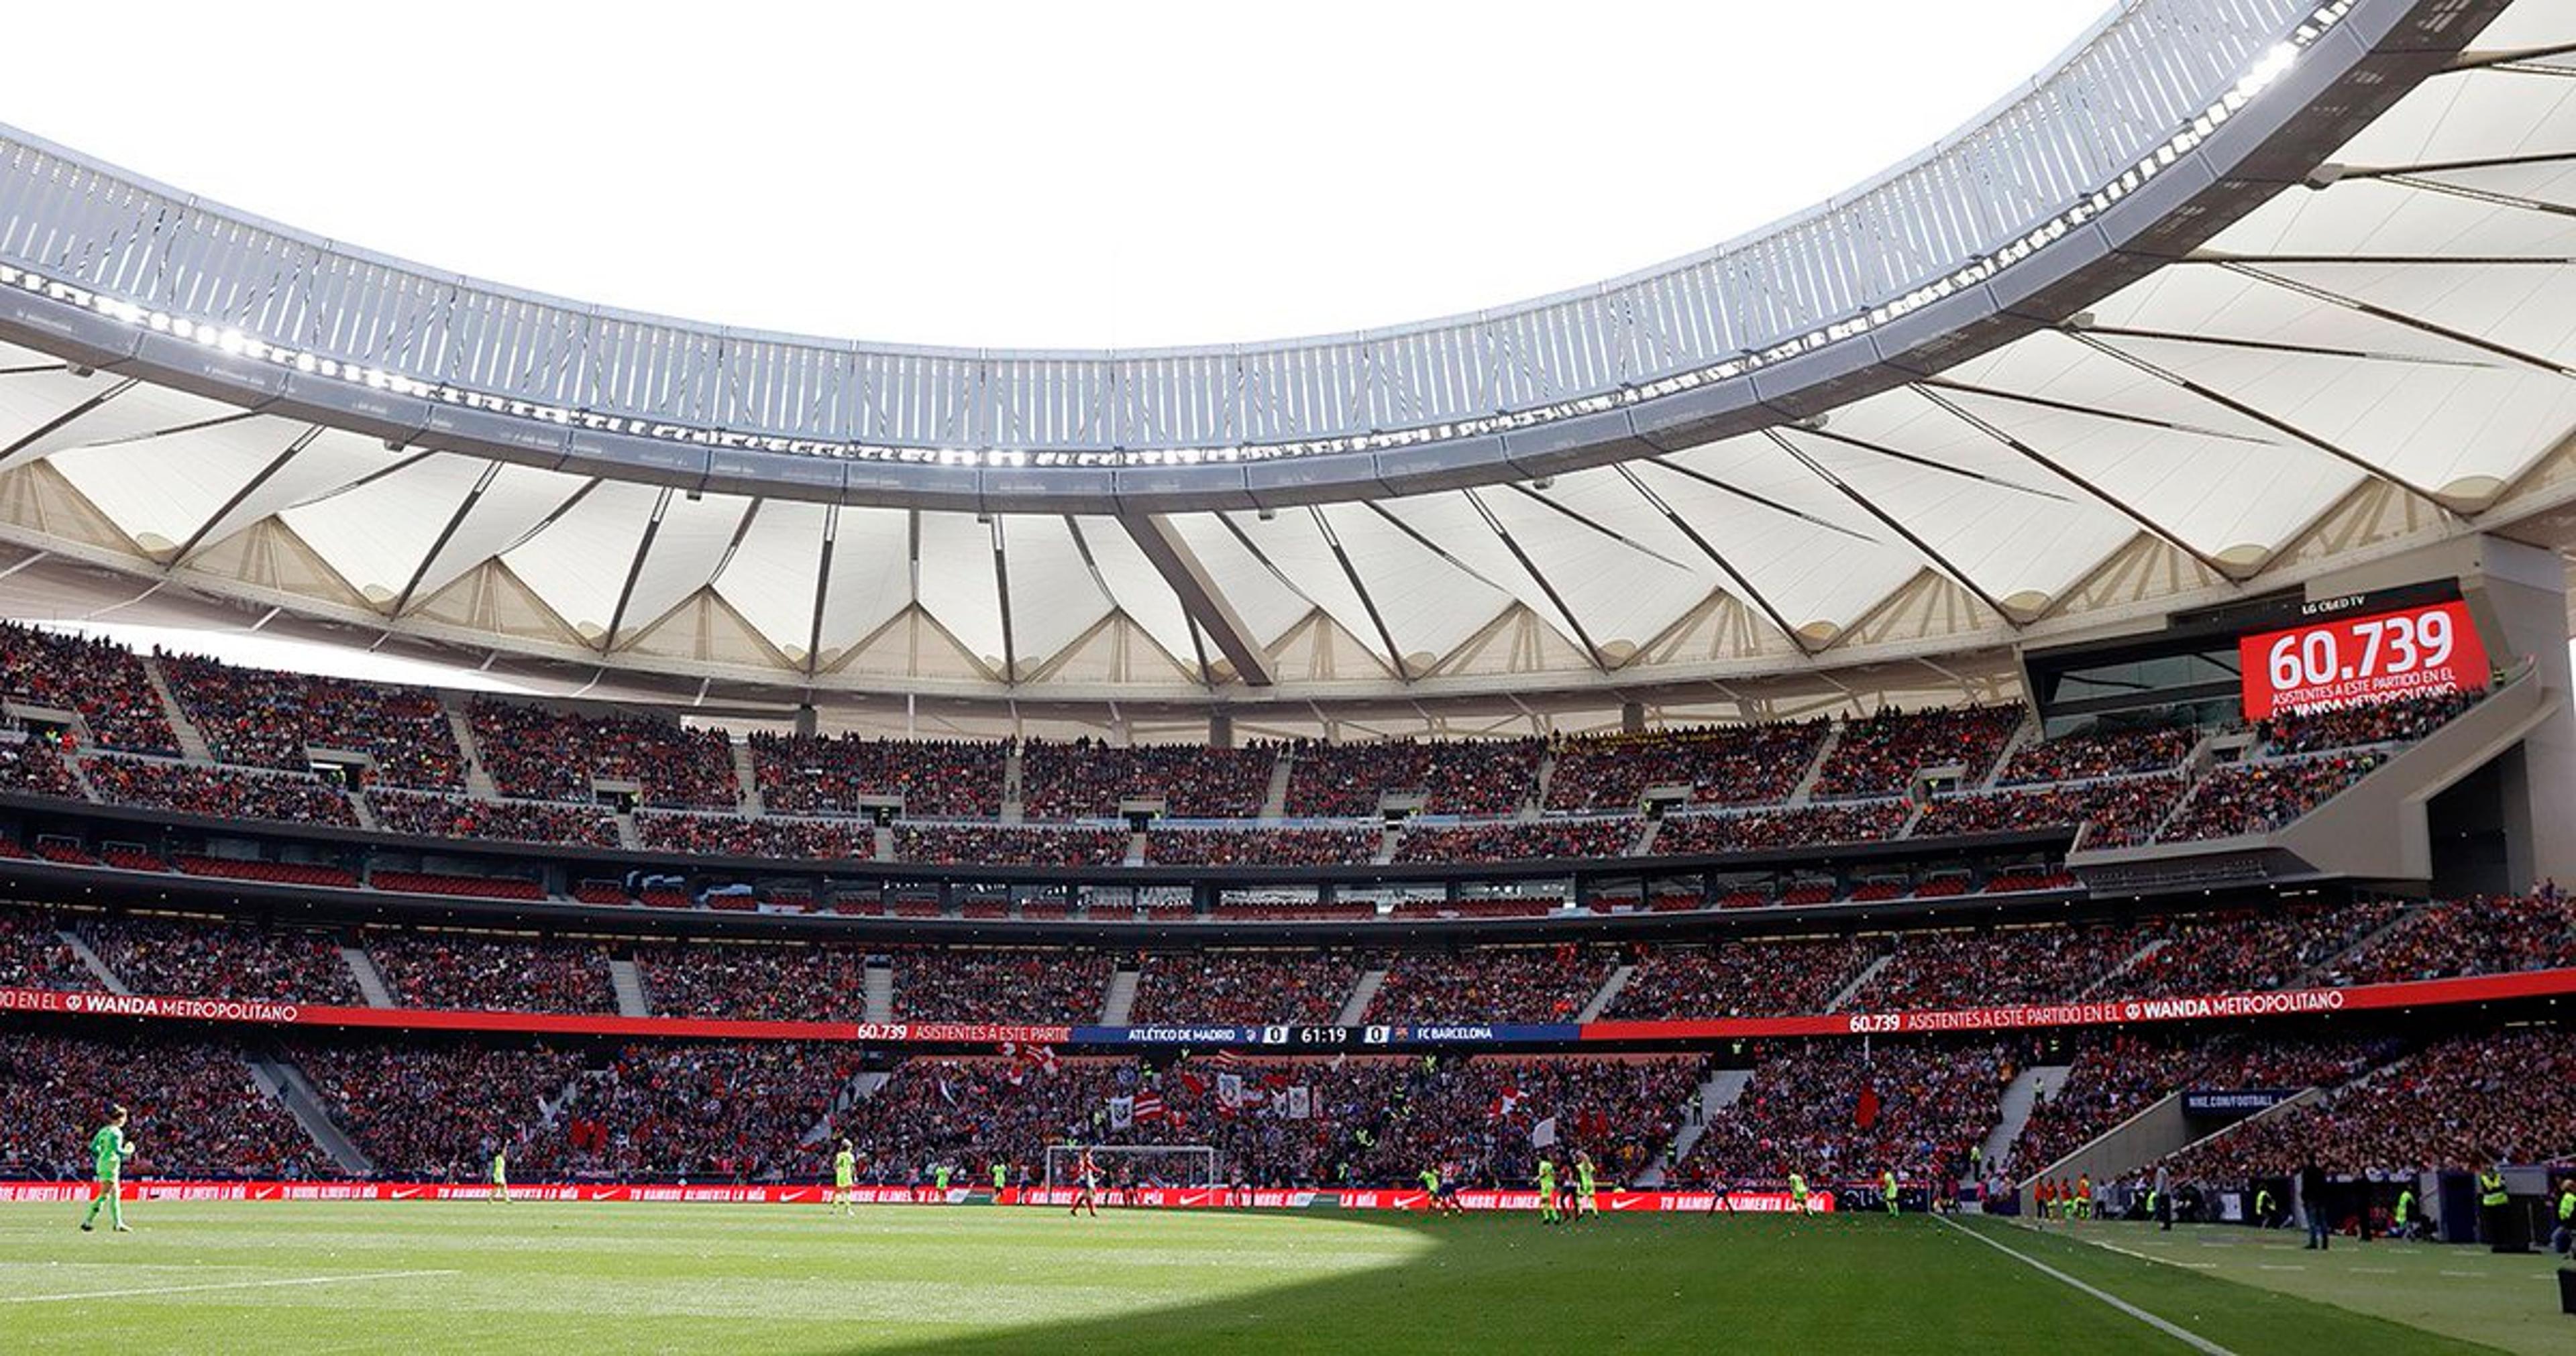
(1135, 1165)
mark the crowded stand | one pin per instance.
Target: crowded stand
(1029, 985)
(739, 836)
(219, 792)
(1880, 755)
(2484, 935)
(237, 959)
(102, 682)
(1518, 841)
(208, 1119)
(757, 983)
(32, 764)
(2104, 753)
(2245, 798)
(264, 718)
(2114, 1078)
(982, 845)
(431, 1113)
(534, 753)
(1262, 847)
(2461, 1103)
(2246, 949)
(1478, 1115)
(1767, 830)
(1721, 765)
(2400, 721)
(1481, 777)
(836, 774)
(1953, 969)
(1491, 984)
(492, 974)
(1739, 979)
(33, 954)
(2111, 813)
(514, 821)
(696, 1112)
(1844, 1110)
(1086, 779)
(1244, 988)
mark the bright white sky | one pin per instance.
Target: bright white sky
(1032, 174)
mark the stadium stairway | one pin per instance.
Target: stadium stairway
(884, 841)
(1645, 844)
(97, 967)
(365, 812)
(1121, 998)
(2025, 733)
(746, 781)
(2130, 962)
(2020, 1097)
(1722, 1090)
(1609, 994)
(1804, 793)
(1546, 777)
(2333, 963)
(371, 981)
(861, 1087)
(1013, 808)
(877, 983)
(192, 741)
(1389, 841)
(2135, 1144)
(1859, 982)
(285, 1085)
(1363, 993)
(1135, 850)
(1274, 802)
(629, 983)
(478, 783)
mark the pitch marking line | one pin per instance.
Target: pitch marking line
(220, 1285)
(2173, 1330)
(2147, 1257)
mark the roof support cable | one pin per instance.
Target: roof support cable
(1870, 507)
(2233, 405)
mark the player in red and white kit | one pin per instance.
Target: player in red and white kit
(1086, 1182)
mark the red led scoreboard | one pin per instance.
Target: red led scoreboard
(2350, 651)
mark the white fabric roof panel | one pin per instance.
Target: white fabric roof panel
(2415, 317)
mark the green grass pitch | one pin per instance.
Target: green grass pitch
(314, 1277)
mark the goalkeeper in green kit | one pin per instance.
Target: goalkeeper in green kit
(108, 1150)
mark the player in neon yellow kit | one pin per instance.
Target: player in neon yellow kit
(500, 1174)
(1797, 1193)
(845, 1170)
(1547, 1212)
(1586, 1193)
(1001, 1179)
(108, 1150)
(1887, 1188)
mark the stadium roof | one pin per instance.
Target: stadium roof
(2237, 292)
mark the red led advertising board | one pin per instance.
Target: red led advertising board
(2333, 660)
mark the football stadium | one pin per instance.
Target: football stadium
(1984, 766)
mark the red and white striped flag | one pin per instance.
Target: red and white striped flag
(1149, 1107)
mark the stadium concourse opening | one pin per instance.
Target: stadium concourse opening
(1986, 768)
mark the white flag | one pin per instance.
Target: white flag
(1229, 1088)
(1122, 1112)
(1543, 1134)
(1301, 1102)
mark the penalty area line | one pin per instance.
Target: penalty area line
(142, 1291)
(2174, 1330)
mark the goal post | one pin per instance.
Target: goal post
(1141, 1165)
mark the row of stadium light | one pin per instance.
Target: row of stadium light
(2276, 61)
